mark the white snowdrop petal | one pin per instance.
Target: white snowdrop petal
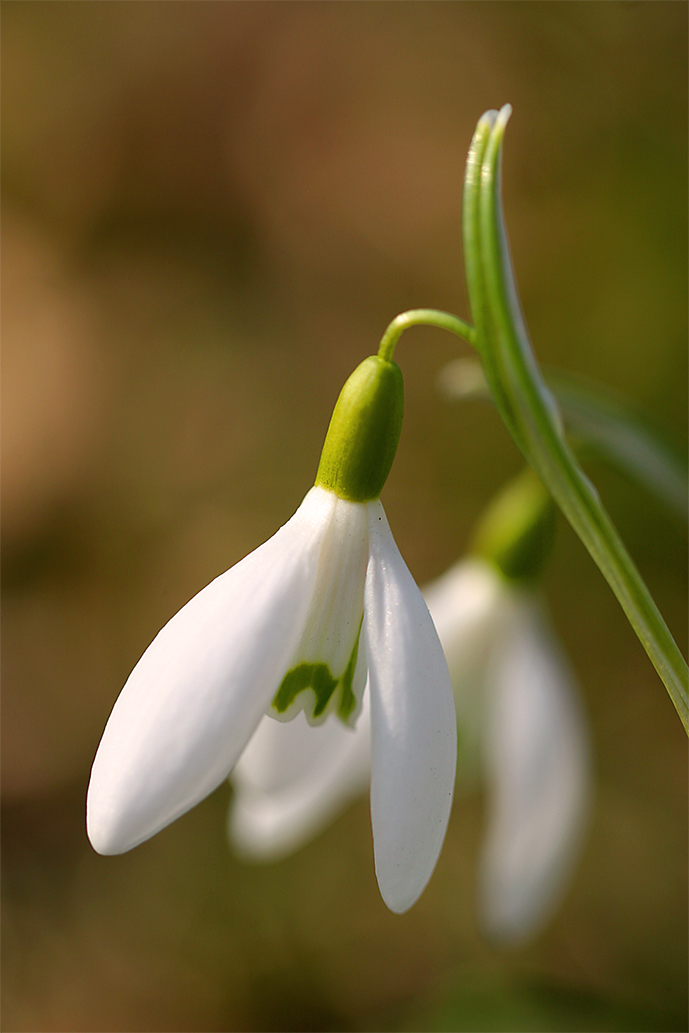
(413, 726)
(196, 695)
(538, 767)
(293, 779)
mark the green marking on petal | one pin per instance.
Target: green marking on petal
(319, 678)
(347, 698)
(306, 676)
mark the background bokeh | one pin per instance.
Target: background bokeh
(210, 213)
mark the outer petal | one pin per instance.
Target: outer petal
(413, 724)
(196, 695)
(293, 779)
(538, 761)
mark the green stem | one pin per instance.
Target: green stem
(422, 317)
(530, 412)
(526, 405)
(604, 426)
(600, 426)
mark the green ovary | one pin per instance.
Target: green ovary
(319, 678)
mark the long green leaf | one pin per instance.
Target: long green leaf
(529, 409)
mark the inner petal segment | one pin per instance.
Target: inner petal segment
(324, 676)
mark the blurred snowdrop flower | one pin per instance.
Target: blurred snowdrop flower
(520, 718)
(321, 611)
(520, 727)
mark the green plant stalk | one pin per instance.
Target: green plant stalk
(602, 426)
(529, 410)
(599, 425)
(527, 407)
(421, 317)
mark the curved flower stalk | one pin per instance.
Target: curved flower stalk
(519, 720)
(321, 611)
(528, 408)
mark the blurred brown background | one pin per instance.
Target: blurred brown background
(211, 211)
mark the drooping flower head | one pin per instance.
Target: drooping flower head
(520, 729)
(322, 615)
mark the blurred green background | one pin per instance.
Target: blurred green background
(210, 213)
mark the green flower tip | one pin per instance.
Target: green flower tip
(364, 431)
(517, 530)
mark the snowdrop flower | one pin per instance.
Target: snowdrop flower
(521, 720)
(520, 726)
(324, 619)
(509, 672)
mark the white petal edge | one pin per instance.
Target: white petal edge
(198, 692)
(539, 773)
(294, 779)
(413, 724)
